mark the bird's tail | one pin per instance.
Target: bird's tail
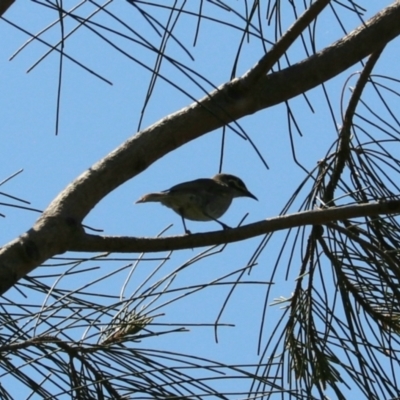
(157, 197)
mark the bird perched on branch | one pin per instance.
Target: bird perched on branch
(202, 199)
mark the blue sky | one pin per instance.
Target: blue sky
(97, 117)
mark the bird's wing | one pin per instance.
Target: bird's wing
(191, 186)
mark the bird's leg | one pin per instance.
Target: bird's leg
(187, 232)
(224, 226)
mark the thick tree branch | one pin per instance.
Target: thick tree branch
(92, 243)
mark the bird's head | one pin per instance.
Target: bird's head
(236, 184)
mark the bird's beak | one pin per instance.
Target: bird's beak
(248, 194)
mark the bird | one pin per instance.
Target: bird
(204, 199)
